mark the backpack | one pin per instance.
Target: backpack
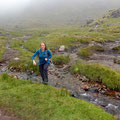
(51, 63)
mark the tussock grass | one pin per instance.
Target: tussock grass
(60, 59)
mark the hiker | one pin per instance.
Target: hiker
(44, 56)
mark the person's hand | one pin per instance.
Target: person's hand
(34, 63)
(45, 59)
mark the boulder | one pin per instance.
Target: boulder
(115, 14)
(62, 48)
(16, 59)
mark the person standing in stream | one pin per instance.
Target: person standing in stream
(44, 55)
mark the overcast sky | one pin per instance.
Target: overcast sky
(53, 10)
(11, 6)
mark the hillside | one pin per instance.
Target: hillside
(55, 13)
(37, 101)
(89, 67)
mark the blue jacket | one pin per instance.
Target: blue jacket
(42, 55)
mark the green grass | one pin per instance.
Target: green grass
(107, 25)
(108, 31)
(98, 73)
(60, 59)
(3, 41)
(100, 37)
(85, 52)
(25, 62)
(53, 40)
(88, 51)
(36, 101)
(67, 38)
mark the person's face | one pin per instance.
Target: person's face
(42, 46)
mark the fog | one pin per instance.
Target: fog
(44, 12)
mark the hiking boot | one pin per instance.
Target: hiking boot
(45, 83)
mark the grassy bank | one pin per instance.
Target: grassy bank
(98, 73)
(36, 101)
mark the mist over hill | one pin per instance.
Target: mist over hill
(34, 13)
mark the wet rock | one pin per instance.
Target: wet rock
(83, 78)
(96, 85)
(117, 60)
(93, 43)
(85, 87)
(115, 14)
(62, 48)
(56, 73)
(102, 90)
(7, 33)
(24, 77)
(66, 67)
(16, 77)
(33, 79)
(16, 59)
(94, 90)
(111, 108)
(110, 25)
(87, 96)
(95, 94)
(51, 72)
(89, 21)
(118, 94)
(1, 34)
(4, 69)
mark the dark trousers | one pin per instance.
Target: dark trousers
(43, 68)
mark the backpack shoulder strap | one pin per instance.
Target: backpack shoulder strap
(46, 52)
(39, 50)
